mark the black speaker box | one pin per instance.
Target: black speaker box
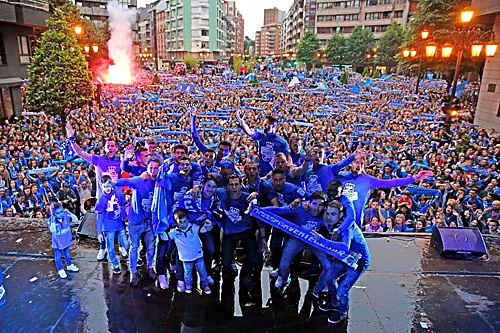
(460, 243)
(88, 225)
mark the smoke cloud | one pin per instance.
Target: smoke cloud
(120, 44)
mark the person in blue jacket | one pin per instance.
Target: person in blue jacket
(223, 148)
(140, 217)
(110, 209)
(2, 290)
(60, 226)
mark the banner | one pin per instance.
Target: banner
(337, 249)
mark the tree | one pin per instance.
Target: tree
(59, 78)
(390, 44)
(190, 62)
(335, 49)
(308, 46)
(237, 63)
(357, 45)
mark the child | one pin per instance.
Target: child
(187, 239)
(110, 210)
(60, 227)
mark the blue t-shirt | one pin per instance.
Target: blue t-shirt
(286, 196)
(108, 221)
(269, 145)
(235, 219)
(142, 198)
(317, 177)
(357, 189)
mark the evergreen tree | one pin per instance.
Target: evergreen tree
(59, 78)
(308, 46)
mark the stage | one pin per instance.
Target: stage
(408, 288)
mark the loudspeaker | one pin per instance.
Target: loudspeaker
(458, 243)
(88, 225)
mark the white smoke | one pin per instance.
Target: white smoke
(120, 44)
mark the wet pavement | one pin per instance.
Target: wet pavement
(407, 288)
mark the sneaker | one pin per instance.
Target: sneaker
(162, 280)
(207, 290)
(188, 291)
(2, 295)
(327, 306)
(73, 268)
(123, 252)
(180, 286)
(134, 281)
(210, 281)
(274, 273)
(101, 254)
(116, 269)
(151, 273)
(140, 262)
(336, 317)
(62, 273)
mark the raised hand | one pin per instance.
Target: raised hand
(423, 174)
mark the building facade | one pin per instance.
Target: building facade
(488, 105)
(21, 23)
(328, 17)
(267, 40)
(96, 10)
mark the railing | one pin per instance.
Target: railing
(38, 4)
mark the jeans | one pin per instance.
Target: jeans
(292, 247)
(340, 289)
(200, 268)
(229, 244)
(278, 237)
(110, 241)
(58, 257)
(135, 232)
(207, 239)
(163, 252)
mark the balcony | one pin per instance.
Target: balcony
(26, 12)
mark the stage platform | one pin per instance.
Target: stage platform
(408, 288)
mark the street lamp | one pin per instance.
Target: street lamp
(491, 49)
(78, 30)
(430, 50)
(95, 48)
(424, 34)
(475, 49)
(406, 53)
(466, 15)
(446, 51)
(86, 48)
(413, 53)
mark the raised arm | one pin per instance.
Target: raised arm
(387, 183)
(194, 133)
(244, 125)
(70, 133)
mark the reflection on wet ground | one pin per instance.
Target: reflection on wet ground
(406, 289)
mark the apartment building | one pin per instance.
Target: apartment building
(21, 23)
(267, 40)
(97, 12)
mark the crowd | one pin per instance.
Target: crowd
(208, 144)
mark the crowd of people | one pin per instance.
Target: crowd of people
(182, 161)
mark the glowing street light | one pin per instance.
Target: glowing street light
(430, 50)
(413, 53)
(446, 51)
(424, 34)
(406, 53)
(78, 30)
(466, 15)
(475, 50)
(491, 49)
(86, 48)
(95, 48)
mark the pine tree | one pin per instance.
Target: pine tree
(59, 78)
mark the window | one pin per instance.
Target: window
(24, 48)
(492, 87)
(398, 14)
(3, 55)
(204, 32)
